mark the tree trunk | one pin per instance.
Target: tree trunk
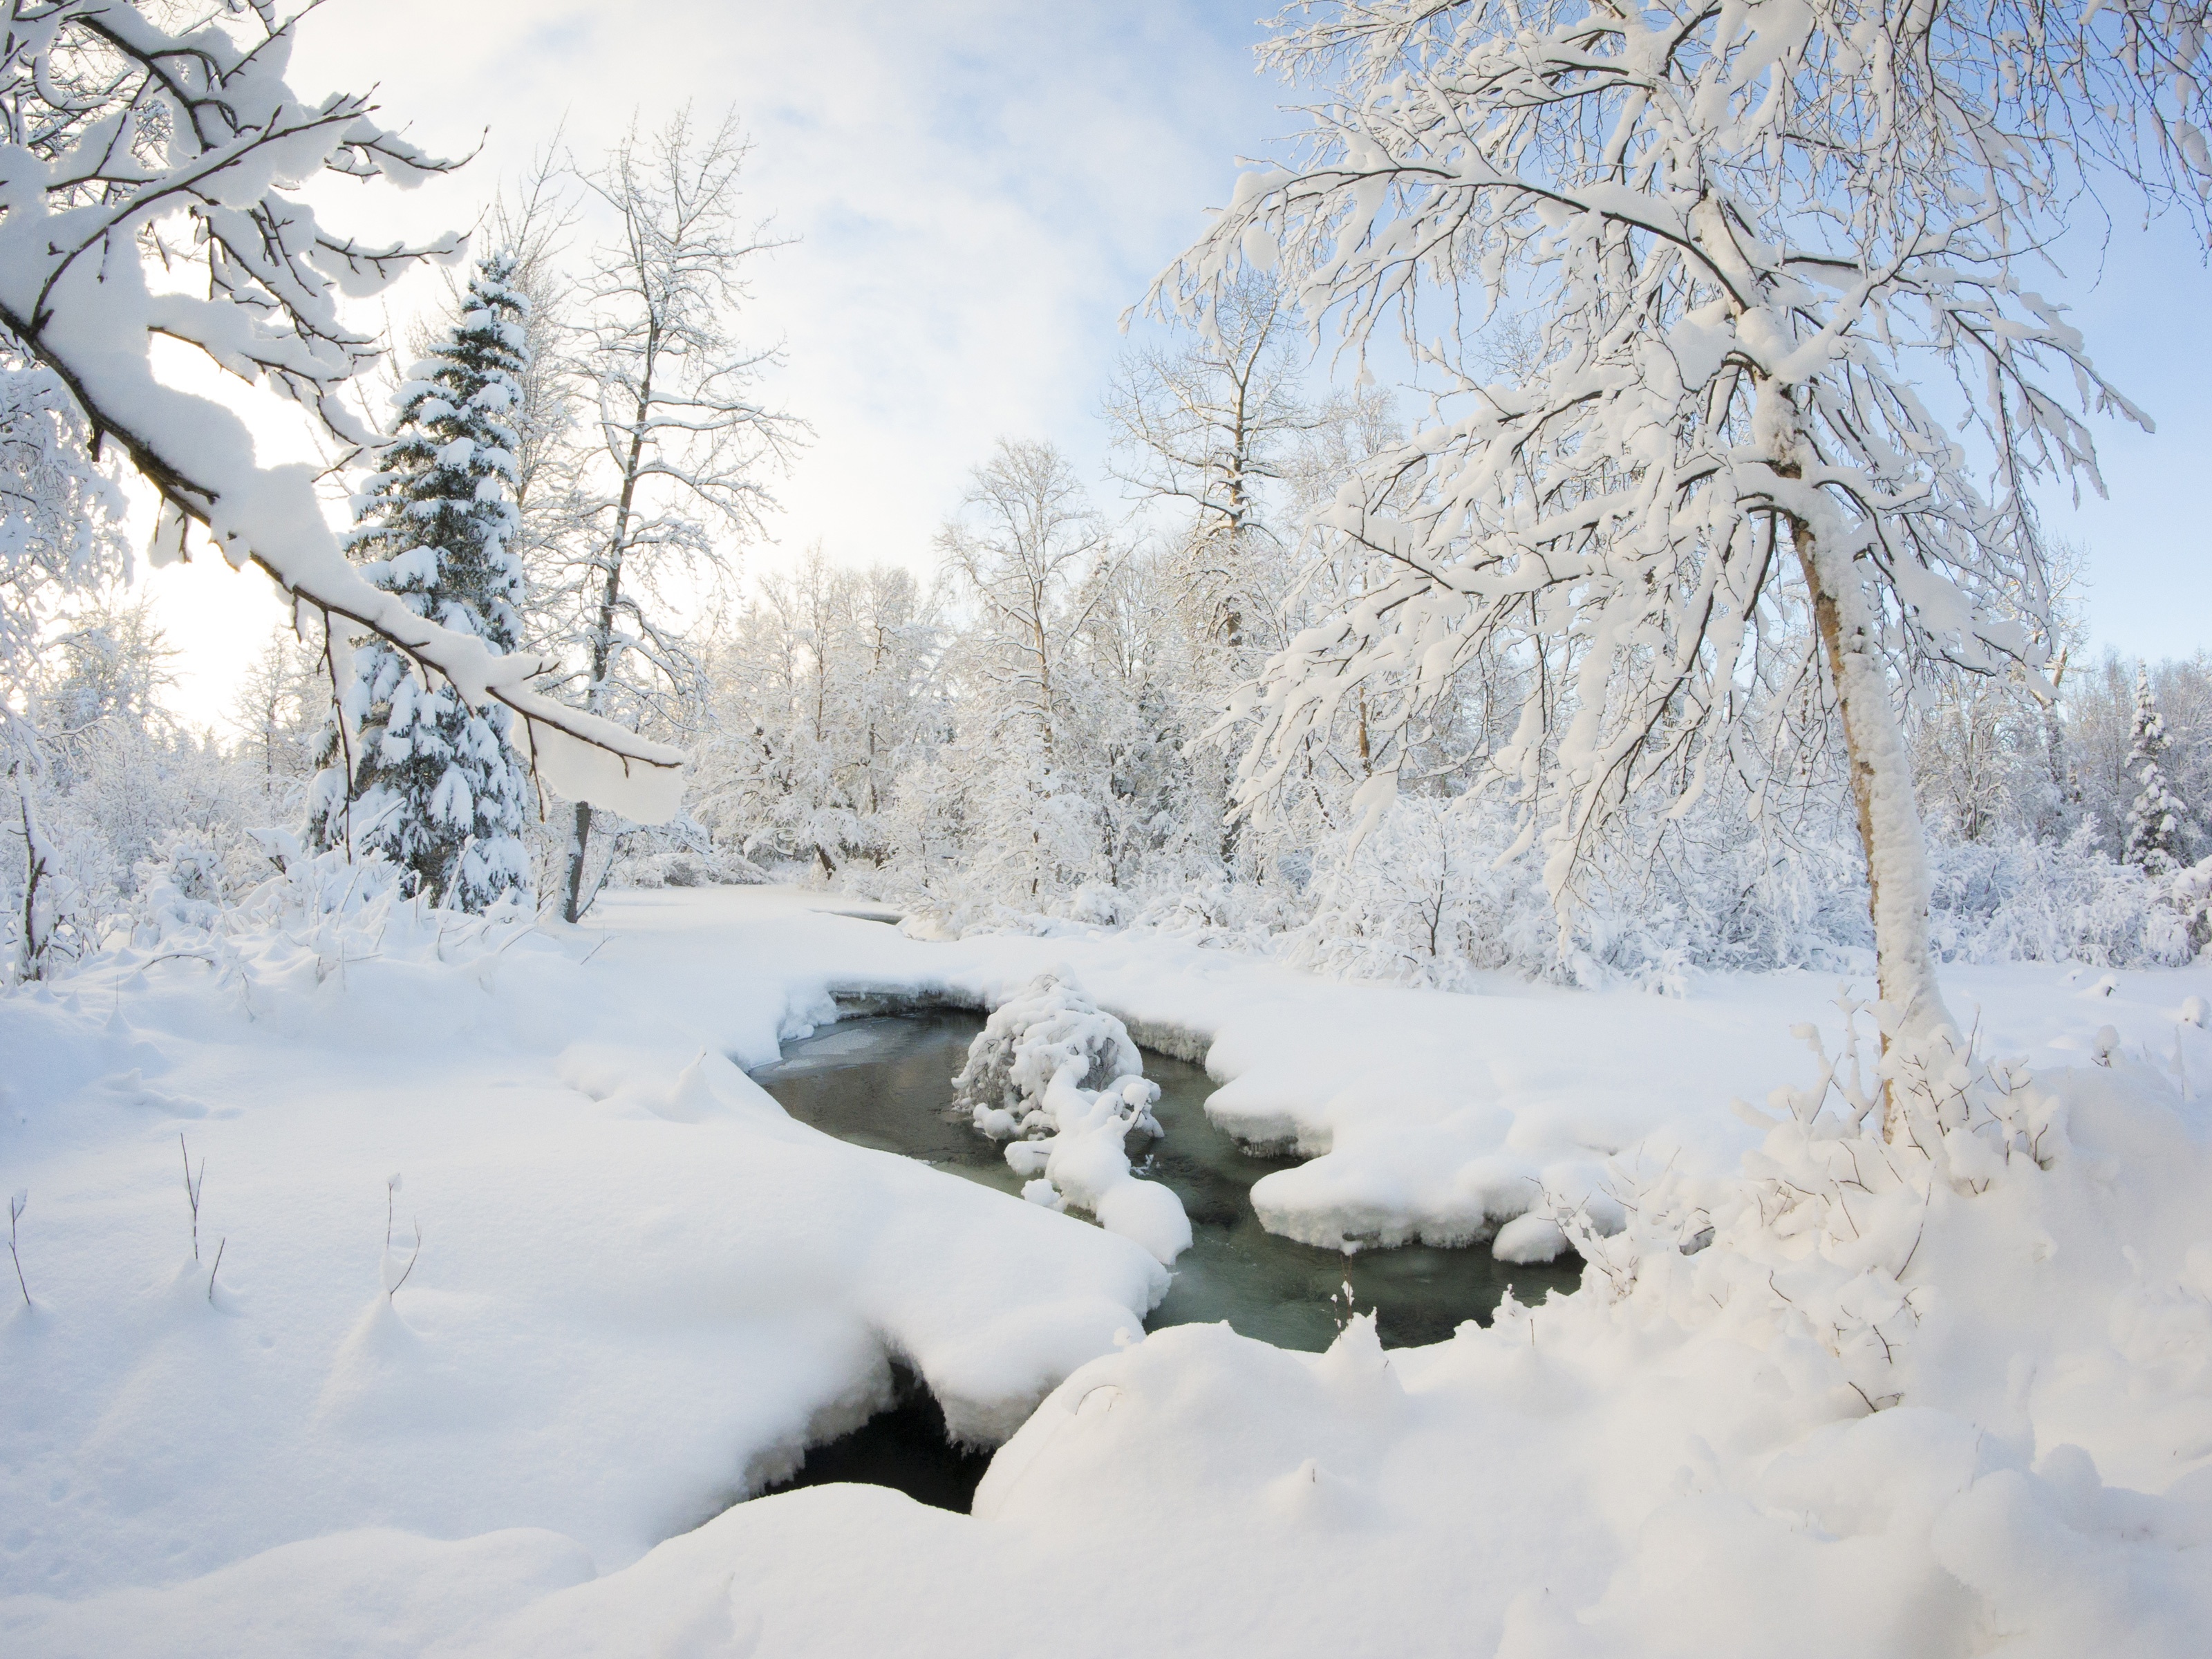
(579, 835)
(603, 636)
(37, 923)
(1898, 883)
(2054, 741)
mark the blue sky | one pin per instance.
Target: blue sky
(2146, 307)
(979, 188)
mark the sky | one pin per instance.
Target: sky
(976, 192)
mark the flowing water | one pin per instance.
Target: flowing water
(886, 1082)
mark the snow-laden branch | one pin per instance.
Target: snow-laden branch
(123, 143)
(1750, 232)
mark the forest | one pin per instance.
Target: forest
(1503, 964)
(1028, 730)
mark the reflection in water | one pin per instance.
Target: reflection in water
(886, 1083)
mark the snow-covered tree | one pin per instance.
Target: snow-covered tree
(678, 473)
(121, 784)
(60, 523)
(2158, 822)
(823, 691)
(1743, 234)
(1981, 751)
(279, 713)
(1025, 548)
(1213, 427)
(157, 169)
(410, 769)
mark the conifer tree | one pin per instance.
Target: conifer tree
(2157, 822)
(410, 769)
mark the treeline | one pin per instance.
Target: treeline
(1043, 724)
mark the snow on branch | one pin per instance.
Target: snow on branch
(1749, 233)
(126, 145)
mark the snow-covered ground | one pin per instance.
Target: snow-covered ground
(642, 1289)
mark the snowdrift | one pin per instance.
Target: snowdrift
(641, 1290)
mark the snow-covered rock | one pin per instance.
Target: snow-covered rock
(1050, 1067)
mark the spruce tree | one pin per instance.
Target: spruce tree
(408, 770)
(2157, 822)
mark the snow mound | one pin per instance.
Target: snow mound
(1061, 1076)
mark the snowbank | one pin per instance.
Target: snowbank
(638, 1280)
(642, 1288)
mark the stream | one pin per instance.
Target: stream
(885, 1082)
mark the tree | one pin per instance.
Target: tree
(280, 712)
(1211, 426)
(1023, 545)
(683, 446)
(2158, 822)
(1743, 235)
(60, 537)
(824, 689)
(144, 150)
(410, 768)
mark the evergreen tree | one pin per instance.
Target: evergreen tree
(2157, 822)
(410, 771)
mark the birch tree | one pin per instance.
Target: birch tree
(1748, 234)
(678, 473)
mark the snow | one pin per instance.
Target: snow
(74, 291)
(1025, 1076)
(642, 1289)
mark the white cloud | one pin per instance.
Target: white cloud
(978, 189)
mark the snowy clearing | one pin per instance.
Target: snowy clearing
(641, 1290)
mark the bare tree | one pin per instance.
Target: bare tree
(1024, 545)
(1211, 425)
(1024, 540)
(676, 477)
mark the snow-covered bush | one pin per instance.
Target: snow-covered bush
(1043, 1030)
(2189, 893)
(185, 884)
(1227, 915)
(1061, 1078)
(1815, 1240)
(2027, 900)
(1425, 901)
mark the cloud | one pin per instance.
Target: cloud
(977, 189)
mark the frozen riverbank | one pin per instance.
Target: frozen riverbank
(641, 1286)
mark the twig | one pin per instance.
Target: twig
(393, 1292)
(17, 1205)
(217, 1268)
(180, 955)
(192, 1190)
